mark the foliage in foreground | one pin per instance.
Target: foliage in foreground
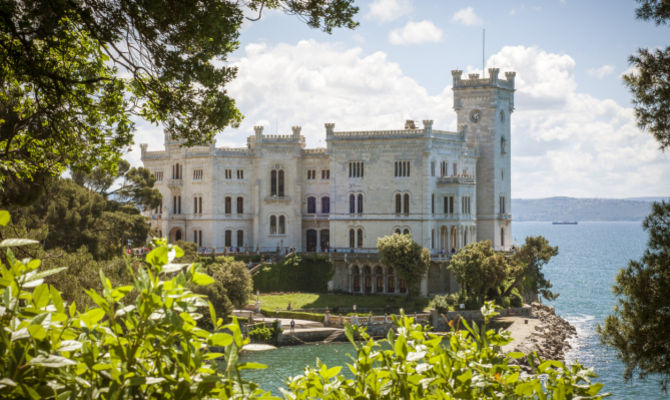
(416, 364)
(638, 328)
(152, 347)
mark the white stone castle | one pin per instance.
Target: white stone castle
(446, 189)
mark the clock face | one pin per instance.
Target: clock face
(475, 115)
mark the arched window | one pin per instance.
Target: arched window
(402, 285)
(176, 171)
(397, 231)
(406, 204)
(398, 203)
(273, 225)
(311, 240)
(356, 279)
(277, 182)
(352, 203)
(405, 231)
(379, 279)
(273, 182)
(352, 238)
(325, 205)
(240, 205)
(359, 242)
(502, 237)
(360, 203)
(229, 204)
(311, 205)
(503, 145)
(282, 225)
(240, 238)
(280, 183)
(229, 238)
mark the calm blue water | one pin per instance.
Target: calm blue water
(590, 255)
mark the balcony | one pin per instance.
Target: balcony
(174, 183)
(456, 179)
(278, 199)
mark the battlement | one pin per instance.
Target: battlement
(474, 81)
(259, 137)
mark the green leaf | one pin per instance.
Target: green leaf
(35, 275)
(465, 376)
(37, 332)
(202, 279)
(220, 339)
(158, 256)
(524, 389)
(51, 361)
(17, 242)
(69, 345)
(330, 372)
(91, 317)
(169, 268)
(515, 354)
(41, 296)
(251, 365)
(594, 389)
(4, 217)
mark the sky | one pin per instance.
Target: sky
(573, 130)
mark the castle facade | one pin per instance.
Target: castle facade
(446, 189)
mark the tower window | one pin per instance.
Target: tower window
(228, 174)
(240, 205)
(228, 205)
(356, 169)
(311, 174)
(325, 174)
(197, 174)
(311, 205)
(277, 182)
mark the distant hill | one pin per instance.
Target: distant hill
(579, 209)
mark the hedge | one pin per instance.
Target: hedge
(317, 317)
(297, 273)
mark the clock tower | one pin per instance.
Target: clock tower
(484, 108)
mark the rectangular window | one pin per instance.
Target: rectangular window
(197, 237)
(311, 174)
(325, 174)
(432, 239)
(197, 174)
(502, 204)
(432, 203)
(228, 174)
(432, 168)
(401, 169)
(240, 174)
(444, 168)
(158, 175)
(356, 169)
(240, 205)
(325, 205)
(240, 238)
(311, 205)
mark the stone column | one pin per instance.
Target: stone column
(424, 284)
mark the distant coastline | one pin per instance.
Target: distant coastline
(582, 209)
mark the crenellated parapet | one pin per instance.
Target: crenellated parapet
(474, 80)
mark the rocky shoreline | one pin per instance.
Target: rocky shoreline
(550, 336)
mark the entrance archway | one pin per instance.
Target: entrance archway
(175, 235)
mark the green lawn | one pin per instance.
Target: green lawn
(323, 300)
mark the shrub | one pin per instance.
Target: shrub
(444, 303)
(260, 333)
(146, 348)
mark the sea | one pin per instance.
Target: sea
(590, 255)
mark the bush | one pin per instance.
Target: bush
(260, 333)
(516, 299)
(444, 303)
(146, 348)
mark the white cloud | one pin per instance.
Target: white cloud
(389, 10)
(600, 72)
(467, 16)
(571, 143)
(415, 33)
(564, 142)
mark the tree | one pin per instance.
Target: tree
(70, 216)
(526, 269)
(407, 257)
(72, 74)
(650, 80)
(137, 186)
(638, 328)
(478, 269)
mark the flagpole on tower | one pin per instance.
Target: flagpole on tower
(483, 50)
